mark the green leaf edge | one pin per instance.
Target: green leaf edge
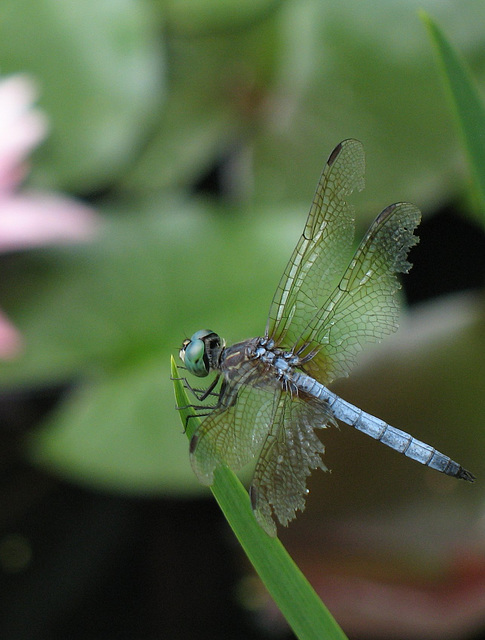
(295, 597)
(468, 106)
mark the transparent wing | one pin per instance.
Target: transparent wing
(290, 451)
(323, 249)
(232, 435)
(363, 307)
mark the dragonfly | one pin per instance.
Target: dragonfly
(272, 391)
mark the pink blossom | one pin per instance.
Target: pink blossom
(29, 218)
(36, 218)
(22, 128)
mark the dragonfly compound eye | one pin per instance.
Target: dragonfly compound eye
(195, 358)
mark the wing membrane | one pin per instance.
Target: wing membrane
(363, 307)
(322, 251)
(289, 453)
(232, 435)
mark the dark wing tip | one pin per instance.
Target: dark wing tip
(405, 207)
(253, 496)
(333, 156)
(193, 443)
(386, 212)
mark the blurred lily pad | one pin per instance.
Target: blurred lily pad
(106, 318)
(99, 66)
(217, 83)
(354, 72)
(279, 92)
(119, 432)
(207, 17)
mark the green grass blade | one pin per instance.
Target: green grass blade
(468, 105)
(300, 605)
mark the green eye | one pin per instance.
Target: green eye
(201, 353)
(195, 358)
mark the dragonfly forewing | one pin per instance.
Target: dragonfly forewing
(364, 306)
(323, 249)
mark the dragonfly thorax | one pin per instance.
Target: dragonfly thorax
(202, 353)
(283, 361)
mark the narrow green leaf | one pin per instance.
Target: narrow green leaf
(467, 102)
(304, 611)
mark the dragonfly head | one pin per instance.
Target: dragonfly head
(202, 352)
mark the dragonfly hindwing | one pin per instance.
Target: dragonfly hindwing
(289, 453)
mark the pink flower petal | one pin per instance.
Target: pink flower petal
(34, 219)
(22, 128)
(30, 219)
(11, 342)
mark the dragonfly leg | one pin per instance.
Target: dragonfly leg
(192, 415)
(199, 408)
(200, 394)
(201, 411)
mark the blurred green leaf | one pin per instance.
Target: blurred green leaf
(358, 70)
(279, 82)
(467, 103)
(114, 431)
(107, 316)
(278, 92)
(302, 608)
(216, 87)
(99, 67)
(206, 17)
